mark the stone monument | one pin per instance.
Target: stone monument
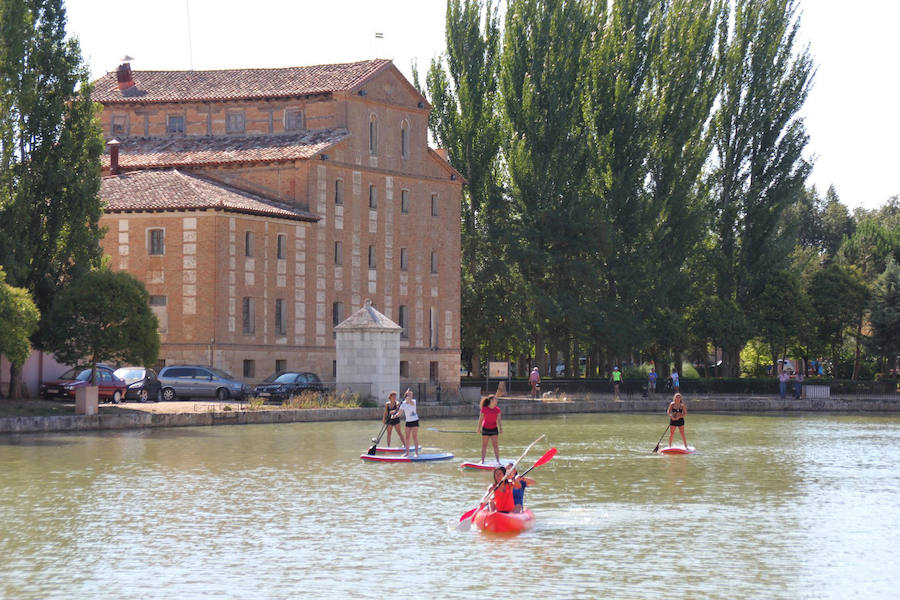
(368, 354)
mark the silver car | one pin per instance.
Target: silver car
(194, 381)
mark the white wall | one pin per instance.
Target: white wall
(38, 368)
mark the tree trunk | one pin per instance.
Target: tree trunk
(476, 364)
(16, 385)
(855, 375)
(539, 361)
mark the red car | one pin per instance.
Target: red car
(110, 387)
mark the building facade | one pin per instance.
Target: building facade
(261, 207)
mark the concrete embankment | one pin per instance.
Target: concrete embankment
(136, 419)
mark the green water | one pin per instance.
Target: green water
(769, 507)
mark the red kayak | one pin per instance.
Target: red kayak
(499, 522)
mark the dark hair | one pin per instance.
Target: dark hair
(501, 468)
(486, 400)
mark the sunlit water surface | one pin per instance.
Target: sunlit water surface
(779, 506)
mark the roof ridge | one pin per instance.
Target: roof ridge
(380, 61)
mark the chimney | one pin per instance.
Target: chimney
(113, 156)
(123, 73)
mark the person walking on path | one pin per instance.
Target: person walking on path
(677, 411)
(676, 386)
(798, 384)
(651, 382)
(535, 380)
(616, 379)
(489, 426)
(783, 378)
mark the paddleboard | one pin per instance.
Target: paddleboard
(677, 450)
(489, 466)
(413, 458)
(400, 450)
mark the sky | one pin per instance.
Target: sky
(851, 115)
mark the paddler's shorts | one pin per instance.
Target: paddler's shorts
(678, 423)
(412, 423)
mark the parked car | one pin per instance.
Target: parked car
(109, 386)
(142, 384)
(193, 381)
(281, 386)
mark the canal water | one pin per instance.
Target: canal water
(770, 506)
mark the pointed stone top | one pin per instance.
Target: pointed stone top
(370, 319)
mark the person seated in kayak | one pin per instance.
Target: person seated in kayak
(677, 411)
(518, 487)
(390, 420)
(502, 500)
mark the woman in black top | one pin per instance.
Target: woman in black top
(677, 411)
(391, 420)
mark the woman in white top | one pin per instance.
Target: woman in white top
(408, 408)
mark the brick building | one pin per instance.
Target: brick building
(261, 207)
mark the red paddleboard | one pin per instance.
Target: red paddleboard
(489, 466)
(406, 459)
(677, 450)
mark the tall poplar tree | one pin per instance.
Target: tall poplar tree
(50, 147)
(541, 63)
(759, 140)
(465, 120)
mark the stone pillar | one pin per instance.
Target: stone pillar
(86, 400)
(368, 354)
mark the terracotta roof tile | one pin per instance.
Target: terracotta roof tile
(235, 84)
(171, 189)
(148, 153)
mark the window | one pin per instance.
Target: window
(404, 368)
(175, 124)
(334, 368)
(433, 371)
(338, 253)
(249, 368)
(159, 308)
(280, 321)
(280, 365)
(156, 242)
(404, 139)
(118, 124)
(434, 262)
(235, 122)
(404, 259)
(337, 313)
(281, 245)
(434, 205)
(373, 134)
(404, 202)
(432, 329)
(339, 191)
(373, 197)
(158, 300)
(248, 244)
(403, 321)
(371, 257)
(293, 119)
(249, 315)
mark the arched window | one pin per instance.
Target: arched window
(373, 134)
(404, 139)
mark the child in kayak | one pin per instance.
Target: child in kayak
(518, 487)
(502, 500)
(391, 421)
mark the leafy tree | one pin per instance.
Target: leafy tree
(759, 140)
(50, 147)
(837, 223)
(885, 316)
(540, 66)
(104, 316)
(837, 296)
(18, 320)
(465, 120)
(778, 313)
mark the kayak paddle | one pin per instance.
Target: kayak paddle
(541, 461)
(465, 521)
(660, 439)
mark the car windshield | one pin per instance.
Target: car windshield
(130, 375)
(281, 378)
(77, 374)
(220, 374)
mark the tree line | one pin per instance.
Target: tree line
(636, 188)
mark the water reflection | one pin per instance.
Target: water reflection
(790, 506)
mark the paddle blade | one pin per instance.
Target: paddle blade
(546, 457)
(656, 449)
(371, 451)
(464, 525)
(468, 514)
